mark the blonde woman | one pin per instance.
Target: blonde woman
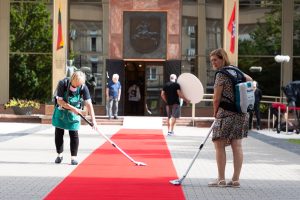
(72, 93)
(230, 127)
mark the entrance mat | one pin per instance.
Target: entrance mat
(143, 123)
(108, 174)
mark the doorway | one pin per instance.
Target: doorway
(134, 88)
(149, 77)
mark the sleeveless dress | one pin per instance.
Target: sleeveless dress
(229, 125)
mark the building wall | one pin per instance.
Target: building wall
(203, 12)
(4, 51)
(172, 7)
(59, 55)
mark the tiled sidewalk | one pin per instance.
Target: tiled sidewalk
(270, 171)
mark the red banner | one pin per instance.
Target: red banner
(231, 28)
(60, 41)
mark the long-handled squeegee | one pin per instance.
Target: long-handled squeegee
(179, 181)
(112, 143)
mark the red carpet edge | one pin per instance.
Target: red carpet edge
(108, 174)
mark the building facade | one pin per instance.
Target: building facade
(146, 41)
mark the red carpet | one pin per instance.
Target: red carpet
(108, 174)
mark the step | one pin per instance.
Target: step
(103, 120)
(20, 118)
(46, 119)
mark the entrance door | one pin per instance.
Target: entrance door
(154, 84)
(134, 88)
(116, 67)
(149, 77)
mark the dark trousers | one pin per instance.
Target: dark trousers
(257, 115)
(277, 122)
(134, 107)
(59, 141)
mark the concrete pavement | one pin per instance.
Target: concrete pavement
(271, 167)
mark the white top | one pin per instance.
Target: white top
(134, 93)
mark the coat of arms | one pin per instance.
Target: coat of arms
(145, 34)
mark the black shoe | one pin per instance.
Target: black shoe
(58, 159)
(74, 162)
(115, 117)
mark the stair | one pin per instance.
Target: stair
(103, 120)
(46, 119)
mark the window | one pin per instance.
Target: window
(93, 44)
(151, 73)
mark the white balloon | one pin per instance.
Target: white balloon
(191, 87)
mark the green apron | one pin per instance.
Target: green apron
(66, 119)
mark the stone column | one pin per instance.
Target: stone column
(287, 39)
(4, 50)
(105, 29)
(202, 66)
(59, 55)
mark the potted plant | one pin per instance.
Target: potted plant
(21, 106)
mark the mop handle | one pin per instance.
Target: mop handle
(87, 121)
(109, 140)
(200, 148)
(92, 125)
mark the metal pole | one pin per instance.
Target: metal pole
(281, 82)
(286, 120)
(193, 114)
(269, 116)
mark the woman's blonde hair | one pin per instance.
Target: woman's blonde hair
(221, 54)
(79, 77)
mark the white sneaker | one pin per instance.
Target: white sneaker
(171, 133)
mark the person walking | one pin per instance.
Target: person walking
(170, 94)
(113, 95)
(134, 97)
(230, 127)
(72, 93)
(256, 110)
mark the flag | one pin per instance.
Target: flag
(231, 29)
(60, 41)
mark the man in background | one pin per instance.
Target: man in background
(258, 97)
(170, 94)
(134, 96)
(113, 95)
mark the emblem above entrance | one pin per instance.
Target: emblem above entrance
(144, 35)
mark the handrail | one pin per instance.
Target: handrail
(209, 97)
(267, 100)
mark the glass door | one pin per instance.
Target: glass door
(154, 84)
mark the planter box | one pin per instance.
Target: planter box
(49, 109)
(22, 111)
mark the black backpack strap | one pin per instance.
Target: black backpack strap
(232, 79)
(228, 71)
(236, 76)
(66, 82)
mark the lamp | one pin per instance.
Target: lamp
(255, 69)
(281, 59)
